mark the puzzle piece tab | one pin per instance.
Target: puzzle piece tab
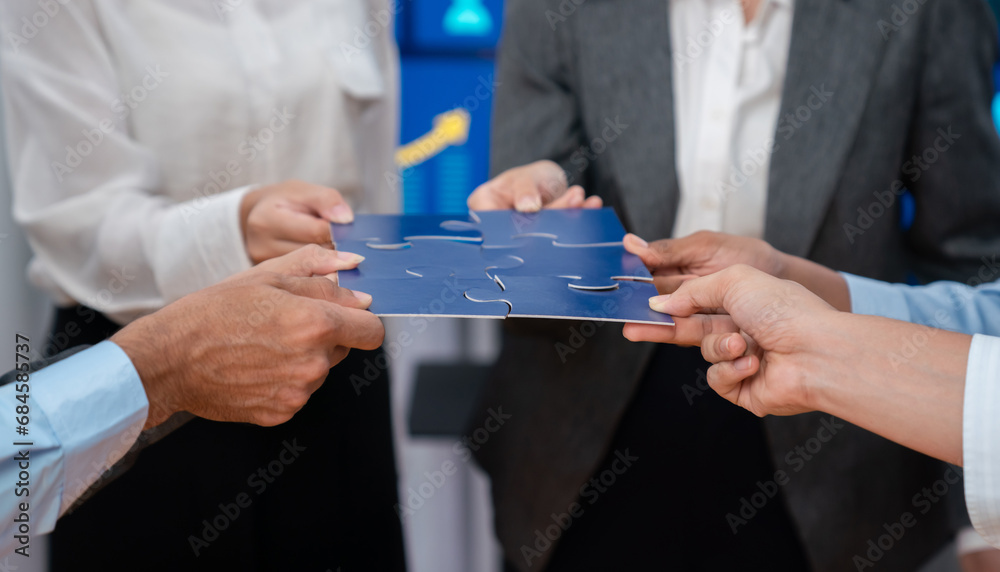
(394, 229)
(565, 226)
(534, 297)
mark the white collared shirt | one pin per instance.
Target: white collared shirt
(135, 126)
(728, 77)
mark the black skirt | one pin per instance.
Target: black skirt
(315, 493)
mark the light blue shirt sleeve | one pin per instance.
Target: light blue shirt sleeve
(946, 305)
(980, 431)
(84, 413)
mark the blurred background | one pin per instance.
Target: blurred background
(447, 50)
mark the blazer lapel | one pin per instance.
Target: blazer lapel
(834, 54)
(626, 79)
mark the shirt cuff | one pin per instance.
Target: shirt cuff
(876, 298)
(200, 243)
(980, 427)
(96, 405)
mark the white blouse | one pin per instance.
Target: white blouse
(135, 127)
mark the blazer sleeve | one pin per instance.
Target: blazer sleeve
(952, 163)
(536, 114)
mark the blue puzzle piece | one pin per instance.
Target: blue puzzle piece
(535, 297)
(592, 267)
(565, 226)
(433, 293)
(465, 260)
(393, 229)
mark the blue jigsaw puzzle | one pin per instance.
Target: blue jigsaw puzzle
(567, 264)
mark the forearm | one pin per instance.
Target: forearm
(826, 283)
(902, 381)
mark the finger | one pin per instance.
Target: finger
(571, 199)
(593, 202)
(338, 354)
(668, 284)
(325, 202)
(311, 260)
(321, 288)
(727, 377)
(286, 222)
(685, 331)
(353, 328)
(657, 256)
(700, 294)
(527, 196)
(717, 348)
(489, 196)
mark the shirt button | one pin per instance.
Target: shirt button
(710, 202)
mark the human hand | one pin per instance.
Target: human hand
(755, 333)
(252, 348)
(674, 260)
(280, 218)
(785, 351)
(529, 188)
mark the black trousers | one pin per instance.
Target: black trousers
(697, 456)
(314, 494)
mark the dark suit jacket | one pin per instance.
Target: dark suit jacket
(871, 92)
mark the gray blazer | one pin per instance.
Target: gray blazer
(871, 92)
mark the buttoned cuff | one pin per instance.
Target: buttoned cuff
(200, 243)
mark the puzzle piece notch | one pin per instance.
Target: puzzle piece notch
(566, 226)
(532, 297)
(463, 259)
(433, 291)
(593, 267)
(391, 230)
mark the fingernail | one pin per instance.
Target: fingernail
(349, 256)
(742, 364)
(341, 214)
(527, 203)
(365, 298)
(728, 345)
(658, 303)
(638, 239)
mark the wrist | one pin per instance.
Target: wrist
(154, 365)
(249, 201)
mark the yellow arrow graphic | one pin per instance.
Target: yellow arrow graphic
(450, 128)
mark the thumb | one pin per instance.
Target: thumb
(527, 198)
(312, 260)
(327, 203)
(701, 294)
